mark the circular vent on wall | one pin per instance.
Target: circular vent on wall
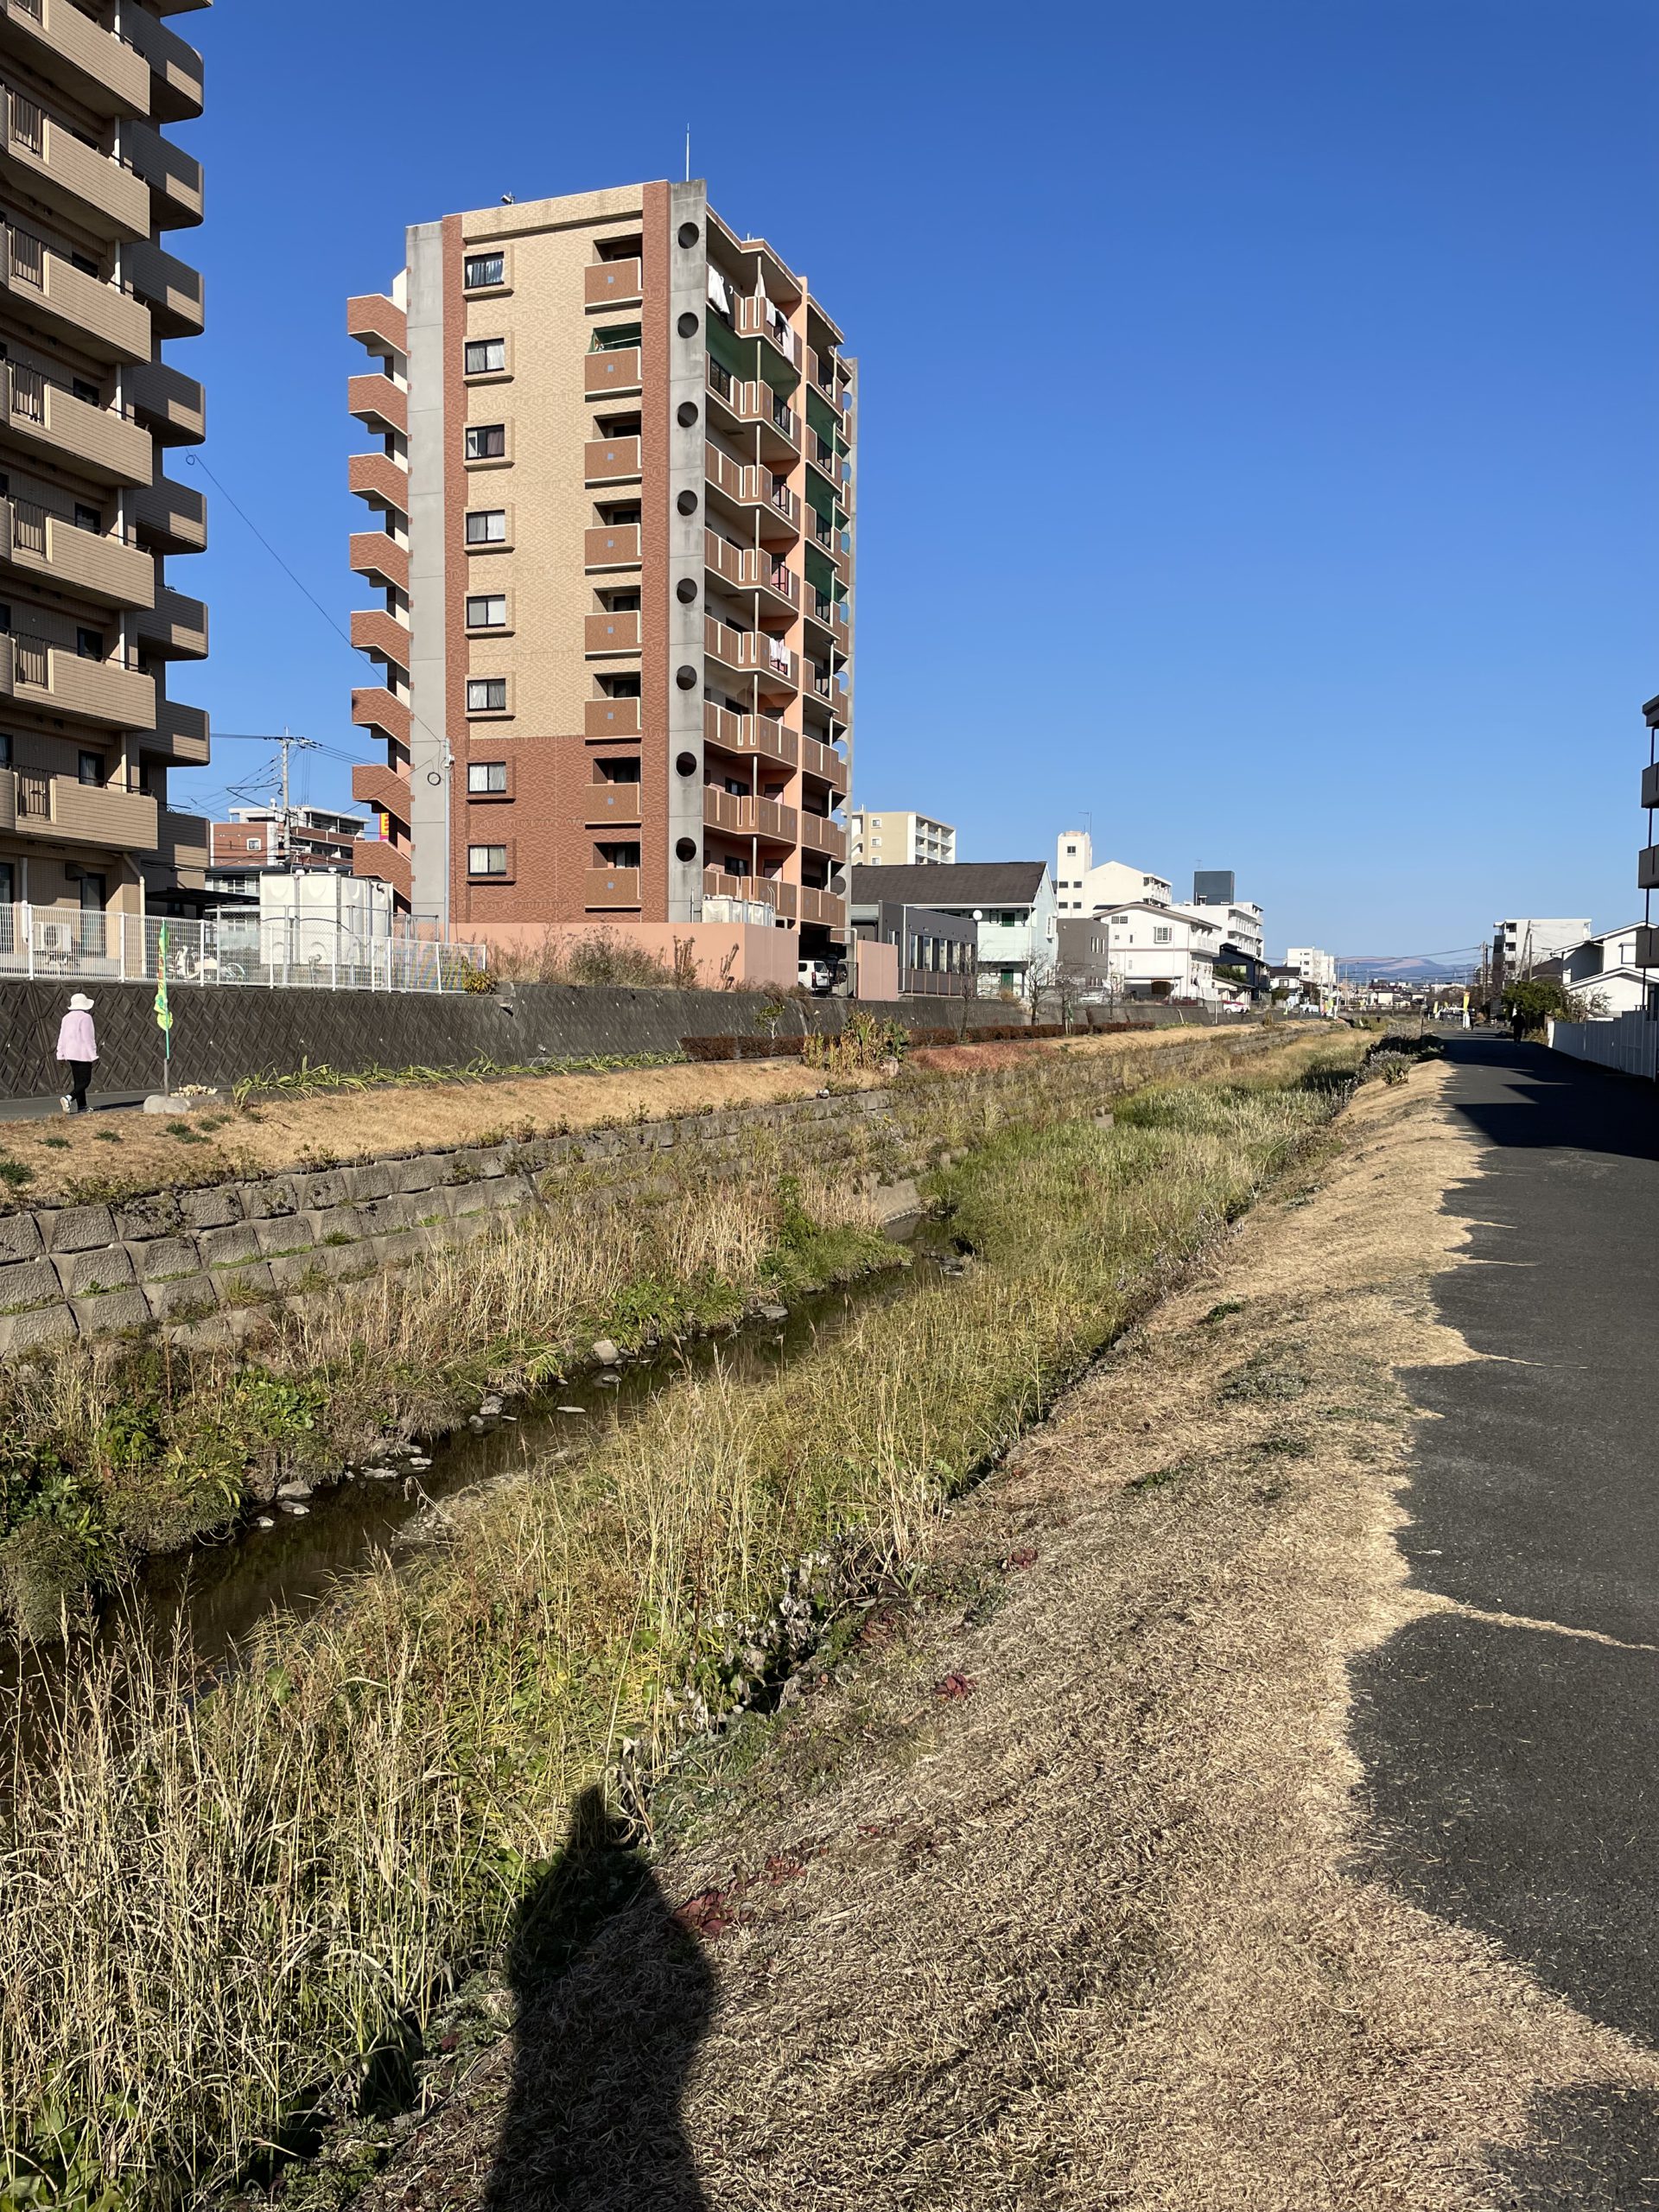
(687, 764)
(688, 324)
(689, 234)
(686, 849)
(687, 503)
(685, 676)
(685, 591)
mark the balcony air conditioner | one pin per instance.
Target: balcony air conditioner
(56, 936)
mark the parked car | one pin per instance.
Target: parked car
(815, 975)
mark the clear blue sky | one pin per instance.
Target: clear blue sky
(1258, 426)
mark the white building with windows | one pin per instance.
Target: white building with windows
(1313, 965)
(1602, 969)
(1158, 951)
(1082, 887)
(895, 840)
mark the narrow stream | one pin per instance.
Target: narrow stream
(217, 1593)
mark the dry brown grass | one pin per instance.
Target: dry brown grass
(1082, 1936)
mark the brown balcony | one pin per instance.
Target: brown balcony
(101, 692)
(180, 734)
(378, 405)
(171, 516)
(611, 633)
(378, 322)
(381, 558)
(754, 651)
(68, 48)
(822, 760)
(169, 287)
(175, 72)
(613, 805)
(751, 567)
(173, 175)
(747, 815)
(755, 736)
(612, 461)
(101, 319)
(184, 845)
(73, 179)
(611, 718)
(93, 441)
(379, 478)
(605, 375)
(820, 835)
(758, 318)
(375, 785)
(69, 812)
(382, 863)
(71, 559)
(611, 886)
(175, 628)
(613, 283)
(375, 707)
(382, 635)
(612, 546)
(823, 906)
(170, 404)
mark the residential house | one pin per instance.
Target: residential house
(1011, 904)
(938, 953)
(1603, 969)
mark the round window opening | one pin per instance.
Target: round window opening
(689, 234)
(685, 591)
(687, 412)
(687, 764)
(686, 849)
(685, 676)
(687, 503)
(687, 324)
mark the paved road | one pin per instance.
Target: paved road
(38, 1109)
(1514, 1768)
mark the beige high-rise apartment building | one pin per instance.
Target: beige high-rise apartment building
(614, 486)
(89, 186)
(901, 840)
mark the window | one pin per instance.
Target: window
(487, 776)
(487, 441)
(618, 771)
(92, 393)
(89, 518)
(618, 856)
(615, 338)
(89, 644)
(90, 769)
(253, 844)
(1161, 936)
(5, 621)
(5, 751)
(487, 694)
(486, 611)
(483, 268)
(86, 265)
(487, 526)
(486, 860)
(486, 357)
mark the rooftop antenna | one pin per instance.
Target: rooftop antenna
(688, 153)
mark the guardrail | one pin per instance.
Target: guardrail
(237, 949)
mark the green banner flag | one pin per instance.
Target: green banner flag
(163, 1011)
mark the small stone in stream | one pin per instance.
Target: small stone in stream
(572, 1409)
(774, 1312)
(286, 1491)
(381, 1474)
(489, 1407)
(264, 1522)
(606, 1353)
(475, 1423)
(609, 1382)
(418, 1461)
(298, 1510)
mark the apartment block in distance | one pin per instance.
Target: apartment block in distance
(614, 491)
(90, 625)
(896, 840)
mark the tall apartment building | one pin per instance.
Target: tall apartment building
(901, 840)
(89, 622)
(1085, 887)
(614, 489)
(258, 840)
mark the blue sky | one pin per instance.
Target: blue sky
(1258, 441)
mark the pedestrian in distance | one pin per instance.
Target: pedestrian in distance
(78, 1051)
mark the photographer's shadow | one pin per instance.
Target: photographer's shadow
(613, 1998)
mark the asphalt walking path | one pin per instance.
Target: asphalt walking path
(1511, 1747)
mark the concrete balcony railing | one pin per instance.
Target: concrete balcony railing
(61, 172)
(378, 322)
(378, 403)
(612, 461)
(747, 815)
(181, 734)
(175, 70)
(172, 291)
(614, 545)
(381, 862)
(754, 401)
(611, 718)
(751, 567)
(749, 485)
(381, 558)
(613, 283)
(756, 317)
(375, 785)
(382, 636)
(69, 812)
(62, 682)
(175, 628)
(379, 478)
(173, 517)
(752, 652)
(820, 835)
(68, 558)
(107, 75)
(611, 633)
(822, 906)
(751, 735)
(173, 175)
(170, 404)
(93, 441)
(375, 708)
(100, 318)
(605, 375)
(824, 761)
(611, 886)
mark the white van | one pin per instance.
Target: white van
(815, 975)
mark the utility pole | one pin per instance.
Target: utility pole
(287, 745)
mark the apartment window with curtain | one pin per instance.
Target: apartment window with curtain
(486, 357)
(1161, 935)
(487, 694)
(487, 441)
(484, 269)
(486, 860)
(487, 776)
(90, 770)
(486, 611)
(487, 526)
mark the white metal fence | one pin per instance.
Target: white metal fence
(284, 952)
(1629, 1042)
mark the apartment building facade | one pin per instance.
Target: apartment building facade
(901, 840)
(615, 492)
(1081, 886)
(256, 840)
(89, 624)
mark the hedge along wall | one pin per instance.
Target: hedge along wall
(204, 1262)
(222, 1035)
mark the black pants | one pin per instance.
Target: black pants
(80, 1074)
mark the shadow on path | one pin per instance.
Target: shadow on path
(614, 1996)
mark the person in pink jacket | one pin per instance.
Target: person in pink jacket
(78, 1050)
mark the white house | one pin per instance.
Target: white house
(1163, 952)
(1521, 943)
(1081, 888)
(1603, 971)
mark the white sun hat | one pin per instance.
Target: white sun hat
(80, 1003)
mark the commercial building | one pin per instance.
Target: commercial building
(1081, 886)
(901, 840)
(256, 840)
(1010, 904)
(614, 484)
(938, 952)
(89, 623)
